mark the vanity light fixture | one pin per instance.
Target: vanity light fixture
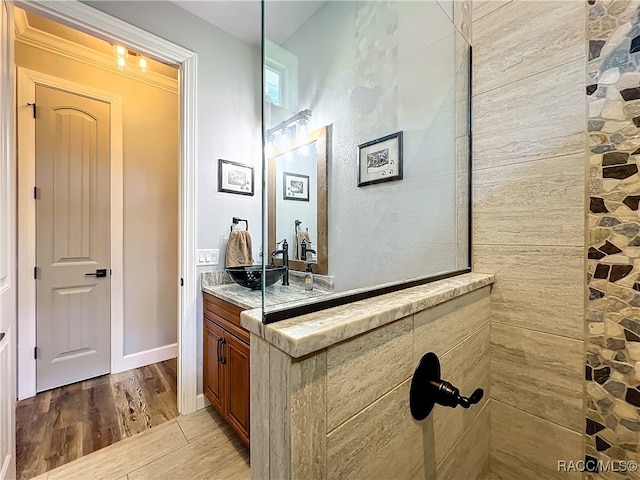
(283, 131)
(284, 142)
(269, 149)
(302, 137)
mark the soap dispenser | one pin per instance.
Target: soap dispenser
(308, 278)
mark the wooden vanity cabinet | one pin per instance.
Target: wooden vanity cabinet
(226, 363)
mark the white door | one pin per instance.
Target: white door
(7, 249)
(73, 237)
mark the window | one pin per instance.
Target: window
(272, 86)
(280, 77)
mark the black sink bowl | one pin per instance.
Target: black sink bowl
(251, 276)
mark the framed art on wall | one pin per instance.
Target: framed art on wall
(235, 177)
(380, 160)
(296, 187)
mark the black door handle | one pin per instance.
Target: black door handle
(218, 349)
(100, 272)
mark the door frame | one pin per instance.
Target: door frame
(97, 23)
(27, 81)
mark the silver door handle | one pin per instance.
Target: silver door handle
(101, 272)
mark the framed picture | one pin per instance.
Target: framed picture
(380, 160)
(235, 177)
(296, 187)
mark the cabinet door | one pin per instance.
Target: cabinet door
(213, 371)
(236, 402)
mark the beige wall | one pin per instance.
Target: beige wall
(151, 168)
(528, 226)
(343, 412)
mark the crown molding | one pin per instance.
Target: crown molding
(28, 35)
(20, 22)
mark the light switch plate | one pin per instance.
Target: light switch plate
(208, 256)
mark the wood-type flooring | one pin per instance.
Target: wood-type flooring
(198, 446)
(60, 425)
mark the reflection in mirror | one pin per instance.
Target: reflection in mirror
(374, 71)
(298, 200)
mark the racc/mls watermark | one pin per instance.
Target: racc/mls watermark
(594, 465)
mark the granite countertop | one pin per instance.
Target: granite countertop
(250, 299)
(308, 333)
(219, 284)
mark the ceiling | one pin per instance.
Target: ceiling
(242, 18)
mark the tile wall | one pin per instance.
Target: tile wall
(343, 412)
(528, 226)
(613, 276)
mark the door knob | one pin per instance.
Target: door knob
(100, 272)
(427, 389)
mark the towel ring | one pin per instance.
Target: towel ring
(237, 220)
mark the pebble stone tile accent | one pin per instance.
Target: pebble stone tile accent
(612, 369)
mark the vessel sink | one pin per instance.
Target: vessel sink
(251, 276)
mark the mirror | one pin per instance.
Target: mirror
(298, 200)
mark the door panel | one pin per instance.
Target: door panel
(237, 387)
(73, 237)
(212, 368)
(74, 172)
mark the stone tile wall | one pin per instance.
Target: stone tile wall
(343, 412)
(528, 226)
(613, 277)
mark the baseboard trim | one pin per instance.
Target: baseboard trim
(140, 359)
(202, 402)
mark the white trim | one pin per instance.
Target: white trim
(28, 35)
(27, 81)
(148, 357)
(202, 401)
(94, 22)
(187, 332)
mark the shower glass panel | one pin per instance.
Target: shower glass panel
(366, 147)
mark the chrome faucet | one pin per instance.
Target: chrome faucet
(284, 251)
(305, 250)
